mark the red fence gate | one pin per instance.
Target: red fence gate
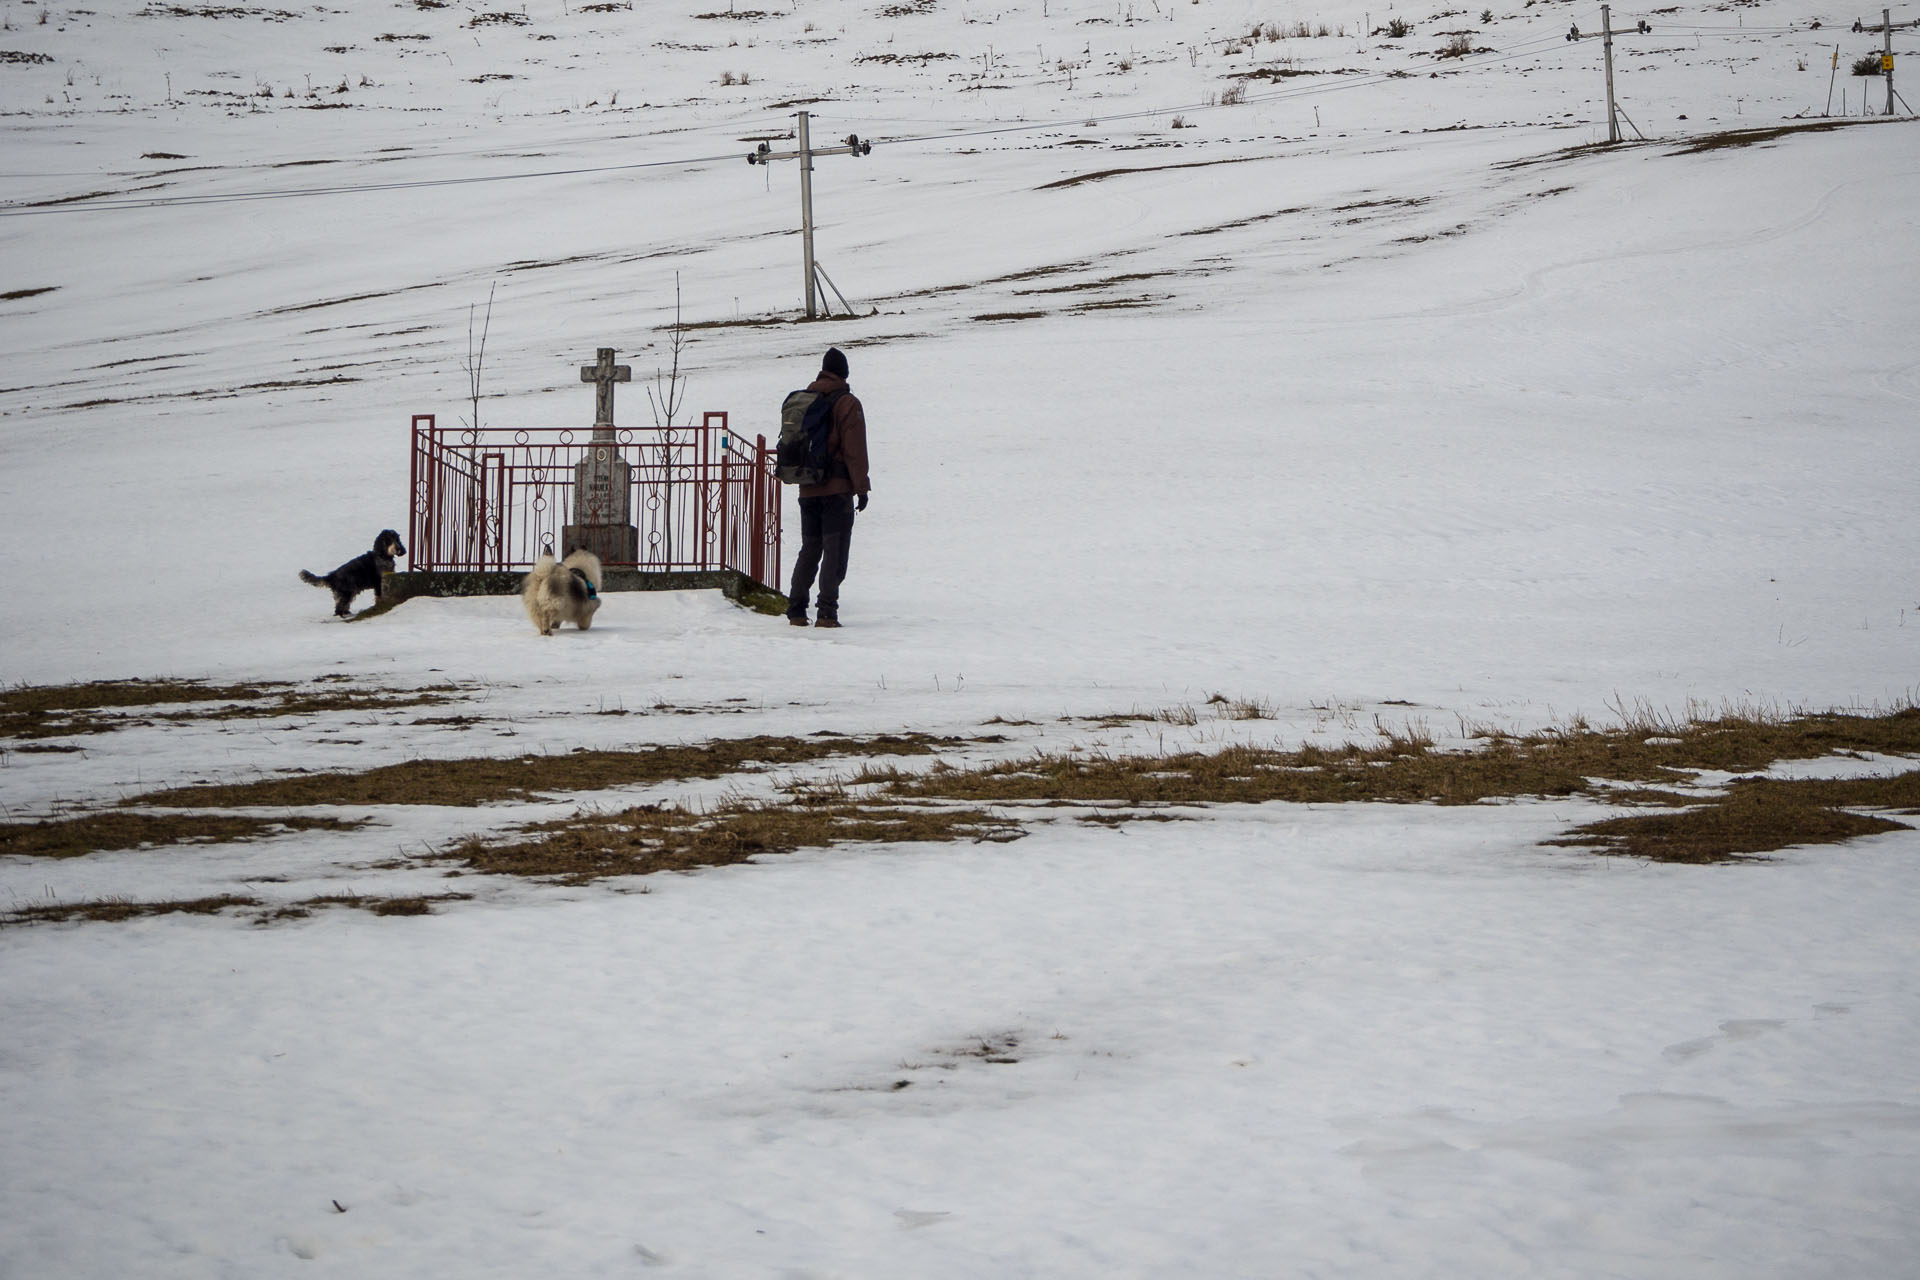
(493, 498)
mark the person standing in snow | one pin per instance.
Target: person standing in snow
(826, 509)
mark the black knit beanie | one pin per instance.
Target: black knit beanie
(834, 362)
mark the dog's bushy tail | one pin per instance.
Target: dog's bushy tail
(311, 580)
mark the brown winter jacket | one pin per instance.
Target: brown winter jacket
(846, 442)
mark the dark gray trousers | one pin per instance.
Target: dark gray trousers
(826, 536)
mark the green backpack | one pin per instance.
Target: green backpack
(806, 420)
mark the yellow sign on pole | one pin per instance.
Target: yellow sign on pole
(1886, 63)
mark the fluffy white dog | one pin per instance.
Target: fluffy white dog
(560, 591)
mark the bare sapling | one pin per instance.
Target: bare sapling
(664, 397)
(477, 356)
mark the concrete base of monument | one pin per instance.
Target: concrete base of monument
(396, 588)
(613, 543)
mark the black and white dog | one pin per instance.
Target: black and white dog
(362, 573)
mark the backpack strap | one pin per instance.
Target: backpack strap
(836, 465)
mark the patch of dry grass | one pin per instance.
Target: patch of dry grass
(37, 711)
(117, 909)
(102, 706)
(1753, 816)
(476, 781)
(420, 904)
(1731, 138)
(1651, 761)
(1756, 816)
(1403, 770)
(1406, 766)
(98, 832)
(644, 840)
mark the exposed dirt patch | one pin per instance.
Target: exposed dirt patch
(177, 355)
(1120, 304)
(341, 302)
(211, 393)
(915, 59)
(1255, 220)
(212, 11)
(14, 295)
(60, 200)
(1107, 282)
(1289, 73)
(1409, 202)
(1102, 174)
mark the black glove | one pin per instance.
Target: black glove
(860, 503)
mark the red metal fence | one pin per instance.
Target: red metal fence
(493, 498)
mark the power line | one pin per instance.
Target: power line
(291, 193)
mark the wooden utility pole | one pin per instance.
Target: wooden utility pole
(804, 153)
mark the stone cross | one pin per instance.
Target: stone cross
(604, 373)
(602, 497)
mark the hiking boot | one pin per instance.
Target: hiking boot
(827, 622)
(797, 619)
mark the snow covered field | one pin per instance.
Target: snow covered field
(1381, 397)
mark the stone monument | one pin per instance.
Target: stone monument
(602, 480)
